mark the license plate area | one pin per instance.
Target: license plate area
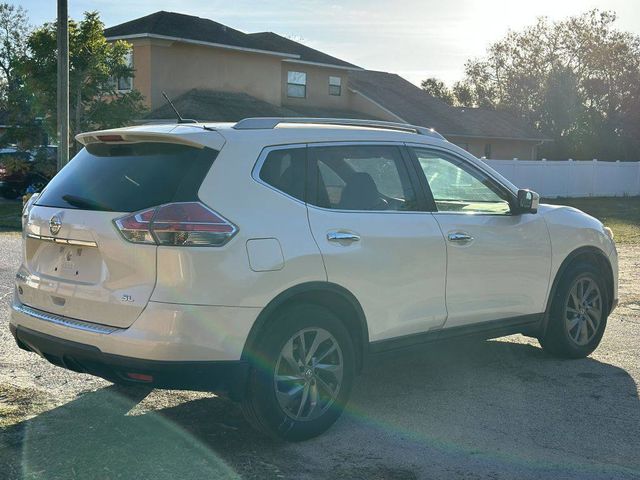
(66, 262)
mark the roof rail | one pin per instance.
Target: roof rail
(266, 123)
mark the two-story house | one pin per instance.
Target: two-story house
(216, 73)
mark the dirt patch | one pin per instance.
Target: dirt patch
(629, 278)
(20, 403)
(375, 473)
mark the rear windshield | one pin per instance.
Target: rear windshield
(126, 178)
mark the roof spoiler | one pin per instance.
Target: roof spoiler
(262, 123)
(135, 136)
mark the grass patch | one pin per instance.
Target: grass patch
(620, 214)
(10, 213)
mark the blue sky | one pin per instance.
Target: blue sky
(415, 38)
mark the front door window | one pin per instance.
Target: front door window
(458, 188)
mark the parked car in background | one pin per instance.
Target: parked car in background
(47, 153)
(22, 171)
(44, 167)
(272, 258)
(14, 172)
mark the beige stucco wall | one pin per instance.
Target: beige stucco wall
(500, 149)
(317, 86)
(177, 67)
(142, 68)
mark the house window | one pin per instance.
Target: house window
(297, 84)
(335, 86)
(487, 150)
(125, 84)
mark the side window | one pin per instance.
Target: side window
(456, 187)
(285, 170)
(366, 177)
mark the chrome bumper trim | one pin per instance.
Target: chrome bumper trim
(64, 321)
(63, 241)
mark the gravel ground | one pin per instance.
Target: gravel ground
(499, 409)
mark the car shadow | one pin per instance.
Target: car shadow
(464, 409)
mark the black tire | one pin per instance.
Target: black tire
(261, 406)
(558, 338)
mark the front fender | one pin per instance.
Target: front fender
(575, 234)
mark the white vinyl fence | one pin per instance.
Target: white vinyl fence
(572, 178)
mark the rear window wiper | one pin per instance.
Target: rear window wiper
(85, 203)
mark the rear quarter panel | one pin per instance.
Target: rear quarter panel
(224, 275)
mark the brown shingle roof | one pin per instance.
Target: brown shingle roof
(480, 122)
(414, 105)
(189, 27)
(278, 43)
(178, 25)
(212, 105)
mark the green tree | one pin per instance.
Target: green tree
(573, 79)
(14, 29)
(14, 100)
(460, 95)
(94, 64)
(437, 88)
(463, 94)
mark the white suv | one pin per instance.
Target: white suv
(272, 257)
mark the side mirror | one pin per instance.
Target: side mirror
(528, 201)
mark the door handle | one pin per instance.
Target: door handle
(460, 237)
(346, 237)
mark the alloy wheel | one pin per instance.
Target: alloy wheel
(583, 311)
(308, 374)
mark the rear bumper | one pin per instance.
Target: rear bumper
(187, 347)
(227, 376)
(162, 332)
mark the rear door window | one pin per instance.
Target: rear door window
(362, 177)
(127, 178)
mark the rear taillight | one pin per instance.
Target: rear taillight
(177, 224)
(136, 227)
